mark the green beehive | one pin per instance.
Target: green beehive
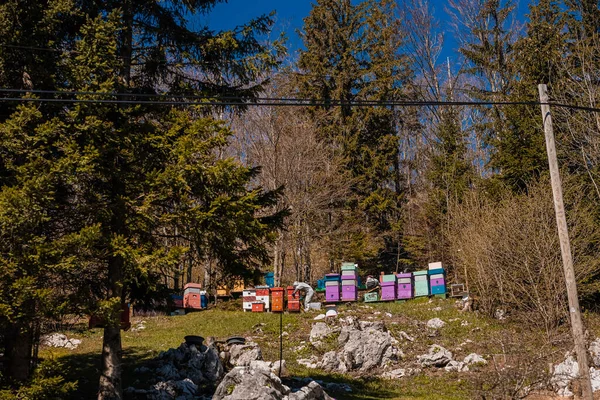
(389, 278)
(370, 297)
(421, 283)
(348, 266)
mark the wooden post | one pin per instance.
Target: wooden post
(565, 248)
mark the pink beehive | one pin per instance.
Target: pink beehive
(404, 286)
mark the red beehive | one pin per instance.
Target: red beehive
(293, 305)
(191, 296)
(277, 299)
(290, 294)
(258, 306)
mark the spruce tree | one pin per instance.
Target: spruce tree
(352, 54)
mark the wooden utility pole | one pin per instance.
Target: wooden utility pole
(565, 249)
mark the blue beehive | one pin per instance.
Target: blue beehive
(270, 279)
(437, 281)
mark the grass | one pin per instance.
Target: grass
(162, 333)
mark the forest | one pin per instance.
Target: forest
(140, 152)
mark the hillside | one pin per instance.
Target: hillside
(515, 357)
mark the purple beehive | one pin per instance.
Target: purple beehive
(404, 286)
(349, 293)
(332, 293)
(388, 291)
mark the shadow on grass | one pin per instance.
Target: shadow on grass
(85, 369)
(362, 388)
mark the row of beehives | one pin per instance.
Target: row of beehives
(263, 298)
(392, 286)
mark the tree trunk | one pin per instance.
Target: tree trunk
(110, 380)
(19, 344)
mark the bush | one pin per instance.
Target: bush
(46, 383)
(510, 253)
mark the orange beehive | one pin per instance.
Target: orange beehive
(277, 299)
(258, 306)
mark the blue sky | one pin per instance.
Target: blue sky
(291, 12)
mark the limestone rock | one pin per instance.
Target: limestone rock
(474, 358)
(246, 383)
(319, 317)
(366, 346)
(563, 374)
(319, 331)
(594, 350)
(59, 340)
(312, 391)
(311, 362)
(241, 355)
(395, 374)
(437, 357)
(435, 323)
(458, 366)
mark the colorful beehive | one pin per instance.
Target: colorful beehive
(293, 305)
(293, 300)
(349, 279)
(248, 297)
(332, 287)
(435, 265)
(349, 290)
(262, 294)
(421, 283)
(405, 286)
(437, 281)
(258, 306)
(191, 296)
(277, 299)
(388, 287)
(371, 296)
(203, 299)
(270, 279)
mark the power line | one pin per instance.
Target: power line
(289, 102)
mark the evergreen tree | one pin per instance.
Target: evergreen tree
(352, 54)
(103, 181)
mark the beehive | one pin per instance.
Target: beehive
(421, 283)
(388, 291)
(437, 281)
(405, 286)
(262, 294)
(371, 296)
(258, 306)
(277, 299)
(248, 297)
(191, 296)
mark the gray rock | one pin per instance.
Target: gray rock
(435, 323)
(437, 357)
(59, 340)
(562, 376)
(318, 317)
(474, 358)
(312, 391)
(241, 355)
(311, 362)
(331, 362)
(319, 331)
(456, 366)
(366, 346)
(394, 374)
(246, 383)
(594, 350)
